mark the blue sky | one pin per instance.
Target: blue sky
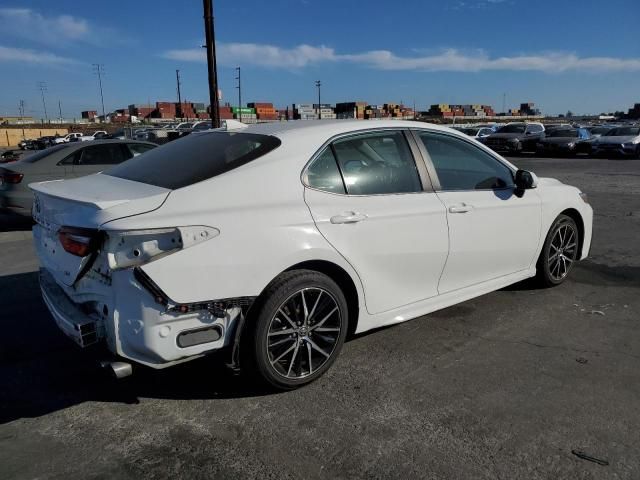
(561, 54)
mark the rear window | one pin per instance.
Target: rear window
(43, 153)
(194, 158)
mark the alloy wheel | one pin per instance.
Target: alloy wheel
(304, 332)
(563, 250)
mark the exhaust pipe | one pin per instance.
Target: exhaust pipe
(117, 369)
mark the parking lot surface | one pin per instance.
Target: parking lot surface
(502, 386)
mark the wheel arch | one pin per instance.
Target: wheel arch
(576, 217)
(344, 281)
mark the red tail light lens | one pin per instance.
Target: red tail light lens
(11, 177)
(77, 241)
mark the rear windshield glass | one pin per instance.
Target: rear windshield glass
(563, 133)
(43, 153)
(195, 158)
(513, 129)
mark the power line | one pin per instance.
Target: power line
(179, 95)
(239, 87)
(43, 88)
(98, 69)
(319, 84)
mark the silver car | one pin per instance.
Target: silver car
(68, 160)
(623, 141)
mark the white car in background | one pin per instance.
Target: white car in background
(276, 240)
(68, 138)
(94, 136)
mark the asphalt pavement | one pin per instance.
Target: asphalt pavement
(504, 386)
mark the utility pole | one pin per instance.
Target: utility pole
(319, 84)
(21, 110)
(60, 110)
(179, 95)
(211, 62)
(504, 103)
(239, 87)
(98, 69)
(43, 88)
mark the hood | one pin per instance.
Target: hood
(548, 182)
(93, 200)
(617, 139)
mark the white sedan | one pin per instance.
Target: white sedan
(275, 241)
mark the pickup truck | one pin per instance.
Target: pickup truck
(67, 138)
(95, 136)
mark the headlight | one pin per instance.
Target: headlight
(131, 248)
(514, 140)
(629, 145)
(571, 145)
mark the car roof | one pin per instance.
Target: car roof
(329, 128)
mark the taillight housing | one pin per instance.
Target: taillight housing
(78, 241)
(7, 176)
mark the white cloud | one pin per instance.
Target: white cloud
(448, 60)
(23, 55)
(254, 54)
(58, 30)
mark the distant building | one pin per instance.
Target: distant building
(634, 113)
(89, 114)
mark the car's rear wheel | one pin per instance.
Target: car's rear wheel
(559, 252)
(299, 328)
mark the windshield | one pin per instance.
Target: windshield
(515, 128)
(623, 132)
(565, 133)
(600, 130)
(195, 158)
(44, 153)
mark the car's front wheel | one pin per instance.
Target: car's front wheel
(298, 329)
(559, 252)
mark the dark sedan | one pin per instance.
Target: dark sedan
(67, 160)
(515, 137)
(562, 141)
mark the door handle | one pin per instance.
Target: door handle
(462, 208)
(348, 217)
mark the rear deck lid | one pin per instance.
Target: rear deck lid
(84, 203)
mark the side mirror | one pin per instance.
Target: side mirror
(525, 180)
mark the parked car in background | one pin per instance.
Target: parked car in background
(67, 160)
(9, 156)
(562, 141)
(201, 126)
(624, 141)
(67, 138)
(94, 136)
(354, 226)
(598, 130)
(516, 137)
(478, 133)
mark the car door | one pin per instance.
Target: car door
(96, 158)
(373, 202)
(493, 229)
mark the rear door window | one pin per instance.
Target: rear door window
(377, 163)
(105, 154)
(195, 158)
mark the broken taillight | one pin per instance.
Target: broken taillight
(77, 241)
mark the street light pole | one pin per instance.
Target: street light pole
(99, 70)
(211, 62)
(319, 84)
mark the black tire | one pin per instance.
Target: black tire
(553, 265)
(267, 321)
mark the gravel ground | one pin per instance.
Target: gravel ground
(502, 386)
